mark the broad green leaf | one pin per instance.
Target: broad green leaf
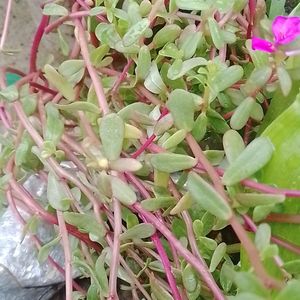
(98, 54)
(258, 78)
(135, 32)
(182, 107)
(200, 127)
(189, 278)
(72, 70)
(29, 103)
(292, 267)
(79, 105)
(214, 156)
(143, 63)
(226, 78)
(175, 139)
(256, 155)
(158, 290)
(153, 82)
(290, 292)
(242, 114)
(224, 6)
(44, 251)
(53, 9)
(54, 124)
(283, 170)
(60, 83)
(64, 46)
(189, 40)
(261, 211)
(56, 194)
(285, 80)
(10, 93)
(153, 204)
(233, 145)
(167, 34)
(85, 223)
(276, 8)
(164, 124)
(215, 32)
(217, 256)
(125, 165)
(207, 197)
(171, 162)
(179, 68)
(122, 191)
(246, 296)
(262, 236)
(193, 4)
(252, 199)
(257, 112)
(140, 231)
(128, 112)
(248, 282)
(111, 132)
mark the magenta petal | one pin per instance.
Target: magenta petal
(262, 45)
(285, 29)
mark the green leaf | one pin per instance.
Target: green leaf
(158, 290)
(127, 113)
(207, 197)
(54, 124)
(56, 194)
(252, 159)
(233, 145)
(261, 211)
(189, 40)
(85, 223)
(292, 267)
(171, 162)
(258, 78)
(179, 68)
(248, 282)
(215, 32)
(200, 127)
(140, 231)
(217, 256)
(189, 278)
(153, 204)
(125, 165)
(101, 274)
(72, 70)
(193, 4)
(242, 113)
(143, 63)
(290, 292)
(175, 139)
(153, 82)
(29, 103)
(245, 296)
(111, 132)
(276, 8)
(285, 80)
(60, 83)
(122, 191)
(184, 203)
(262, 236)
(135, 32)
(98, 54)
(163, 124)
(79, 105)
(182, 107)
(45, 249)
(64, 46)
(10, 93)
(53, 9)
(226, 78)
(259, 58)
(283, 170)
(167, 34)
(252, 200)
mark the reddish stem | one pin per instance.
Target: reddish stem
(36, 43)
(252, 8)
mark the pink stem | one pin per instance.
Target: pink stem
(115, 260)
(122, 76)
(67, 252)
(6, 23)
(144, 146)
(188, 256)
(36, 43)
(252, 8)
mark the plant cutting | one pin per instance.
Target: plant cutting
(168, 139)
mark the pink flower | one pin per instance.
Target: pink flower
(285, 30)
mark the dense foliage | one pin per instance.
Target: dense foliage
(168, 138)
